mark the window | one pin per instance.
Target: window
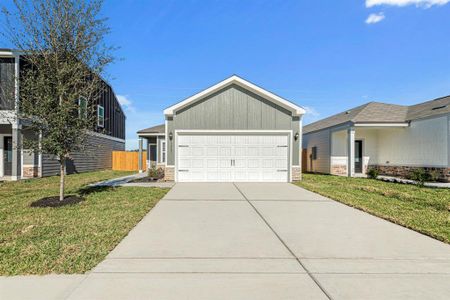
(163, 151)
(82, 107)
(100, 116)
(314, 153)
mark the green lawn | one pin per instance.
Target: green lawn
(426, 210)
(69, 239)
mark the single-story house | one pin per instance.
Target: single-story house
(19, 163)
(394, 139)
(233, 131)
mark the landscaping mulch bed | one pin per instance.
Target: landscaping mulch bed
(55, 202)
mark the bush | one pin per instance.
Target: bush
(420, 176)
(434, 175)
(373, 173)
(157, 173)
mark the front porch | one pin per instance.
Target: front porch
(15, 162)
(355, 148)
(390, 148)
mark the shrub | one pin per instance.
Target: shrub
(420, 176)
(157, 173)
(373, 173)
(434, 175)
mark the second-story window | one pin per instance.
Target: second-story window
(82, 107)
(100, 116)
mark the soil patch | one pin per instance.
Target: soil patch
(54, 201)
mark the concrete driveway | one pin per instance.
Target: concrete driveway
(267, 241)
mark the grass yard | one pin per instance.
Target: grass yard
(68, 239)
(425, 210)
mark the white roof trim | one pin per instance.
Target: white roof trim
(151, 134)
(381, 124)
(296, 110)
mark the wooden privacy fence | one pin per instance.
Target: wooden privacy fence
(128, 161)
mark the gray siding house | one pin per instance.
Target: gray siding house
(233, 131)
(394, 139)
(17, 162)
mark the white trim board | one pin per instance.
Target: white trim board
(2, 146)
(295, 109)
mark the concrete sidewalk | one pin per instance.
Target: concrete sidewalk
(266, 241)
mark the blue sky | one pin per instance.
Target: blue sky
(326, 56)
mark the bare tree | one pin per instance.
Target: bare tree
(62, 43)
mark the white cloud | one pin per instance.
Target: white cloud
(375, 18)
(126, 103)
(311, 111)
(419, 3)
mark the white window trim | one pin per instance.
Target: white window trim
(163, 151)
(98, 116)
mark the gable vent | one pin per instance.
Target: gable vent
(439, 107)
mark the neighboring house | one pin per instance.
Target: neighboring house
(233, 131)
(392, 138)
(17, 163)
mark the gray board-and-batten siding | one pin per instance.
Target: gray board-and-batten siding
(233, 108)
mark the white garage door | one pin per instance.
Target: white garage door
(232, 158)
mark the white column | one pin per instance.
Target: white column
(351, 152)
(40, 156)
(140, 156)
(16, 172)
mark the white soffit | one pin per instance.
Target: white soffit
(295, 109)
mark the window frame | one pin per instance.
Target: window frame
(102, 125)
(163, 151)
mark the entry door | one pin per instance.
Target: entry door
(7, 156)
(358, 156)
(232, 158)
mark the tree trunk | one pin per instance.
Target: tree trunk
(62, 166)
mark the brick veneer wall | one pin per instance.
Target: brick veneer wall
(404, 171)
(340, 170)
(296, 173)
(169, 173)
(30, 171)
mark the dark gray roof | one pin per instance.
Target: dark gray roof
(376, 112)
(155, 129)
(430, 108)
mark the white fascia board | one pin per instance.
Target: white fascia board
(405, 124)
(296, 110)
(151, 134)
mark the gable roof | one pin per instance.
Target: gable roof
(376, 112)
(295, 109)
(155, 130)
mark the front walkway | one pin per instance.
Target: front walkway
(266, 241)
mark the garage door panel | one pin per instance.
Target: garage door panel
(227, 158)
(212, 151)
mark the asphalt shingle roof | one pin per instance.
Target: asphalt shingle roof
(155, 129)
(376, 112)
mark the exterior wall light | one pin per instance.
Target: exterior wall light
(296, 136)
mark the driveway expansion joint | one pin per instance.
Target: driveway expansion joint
(286, 246)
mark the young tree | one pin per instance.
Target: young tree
(62, 43)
